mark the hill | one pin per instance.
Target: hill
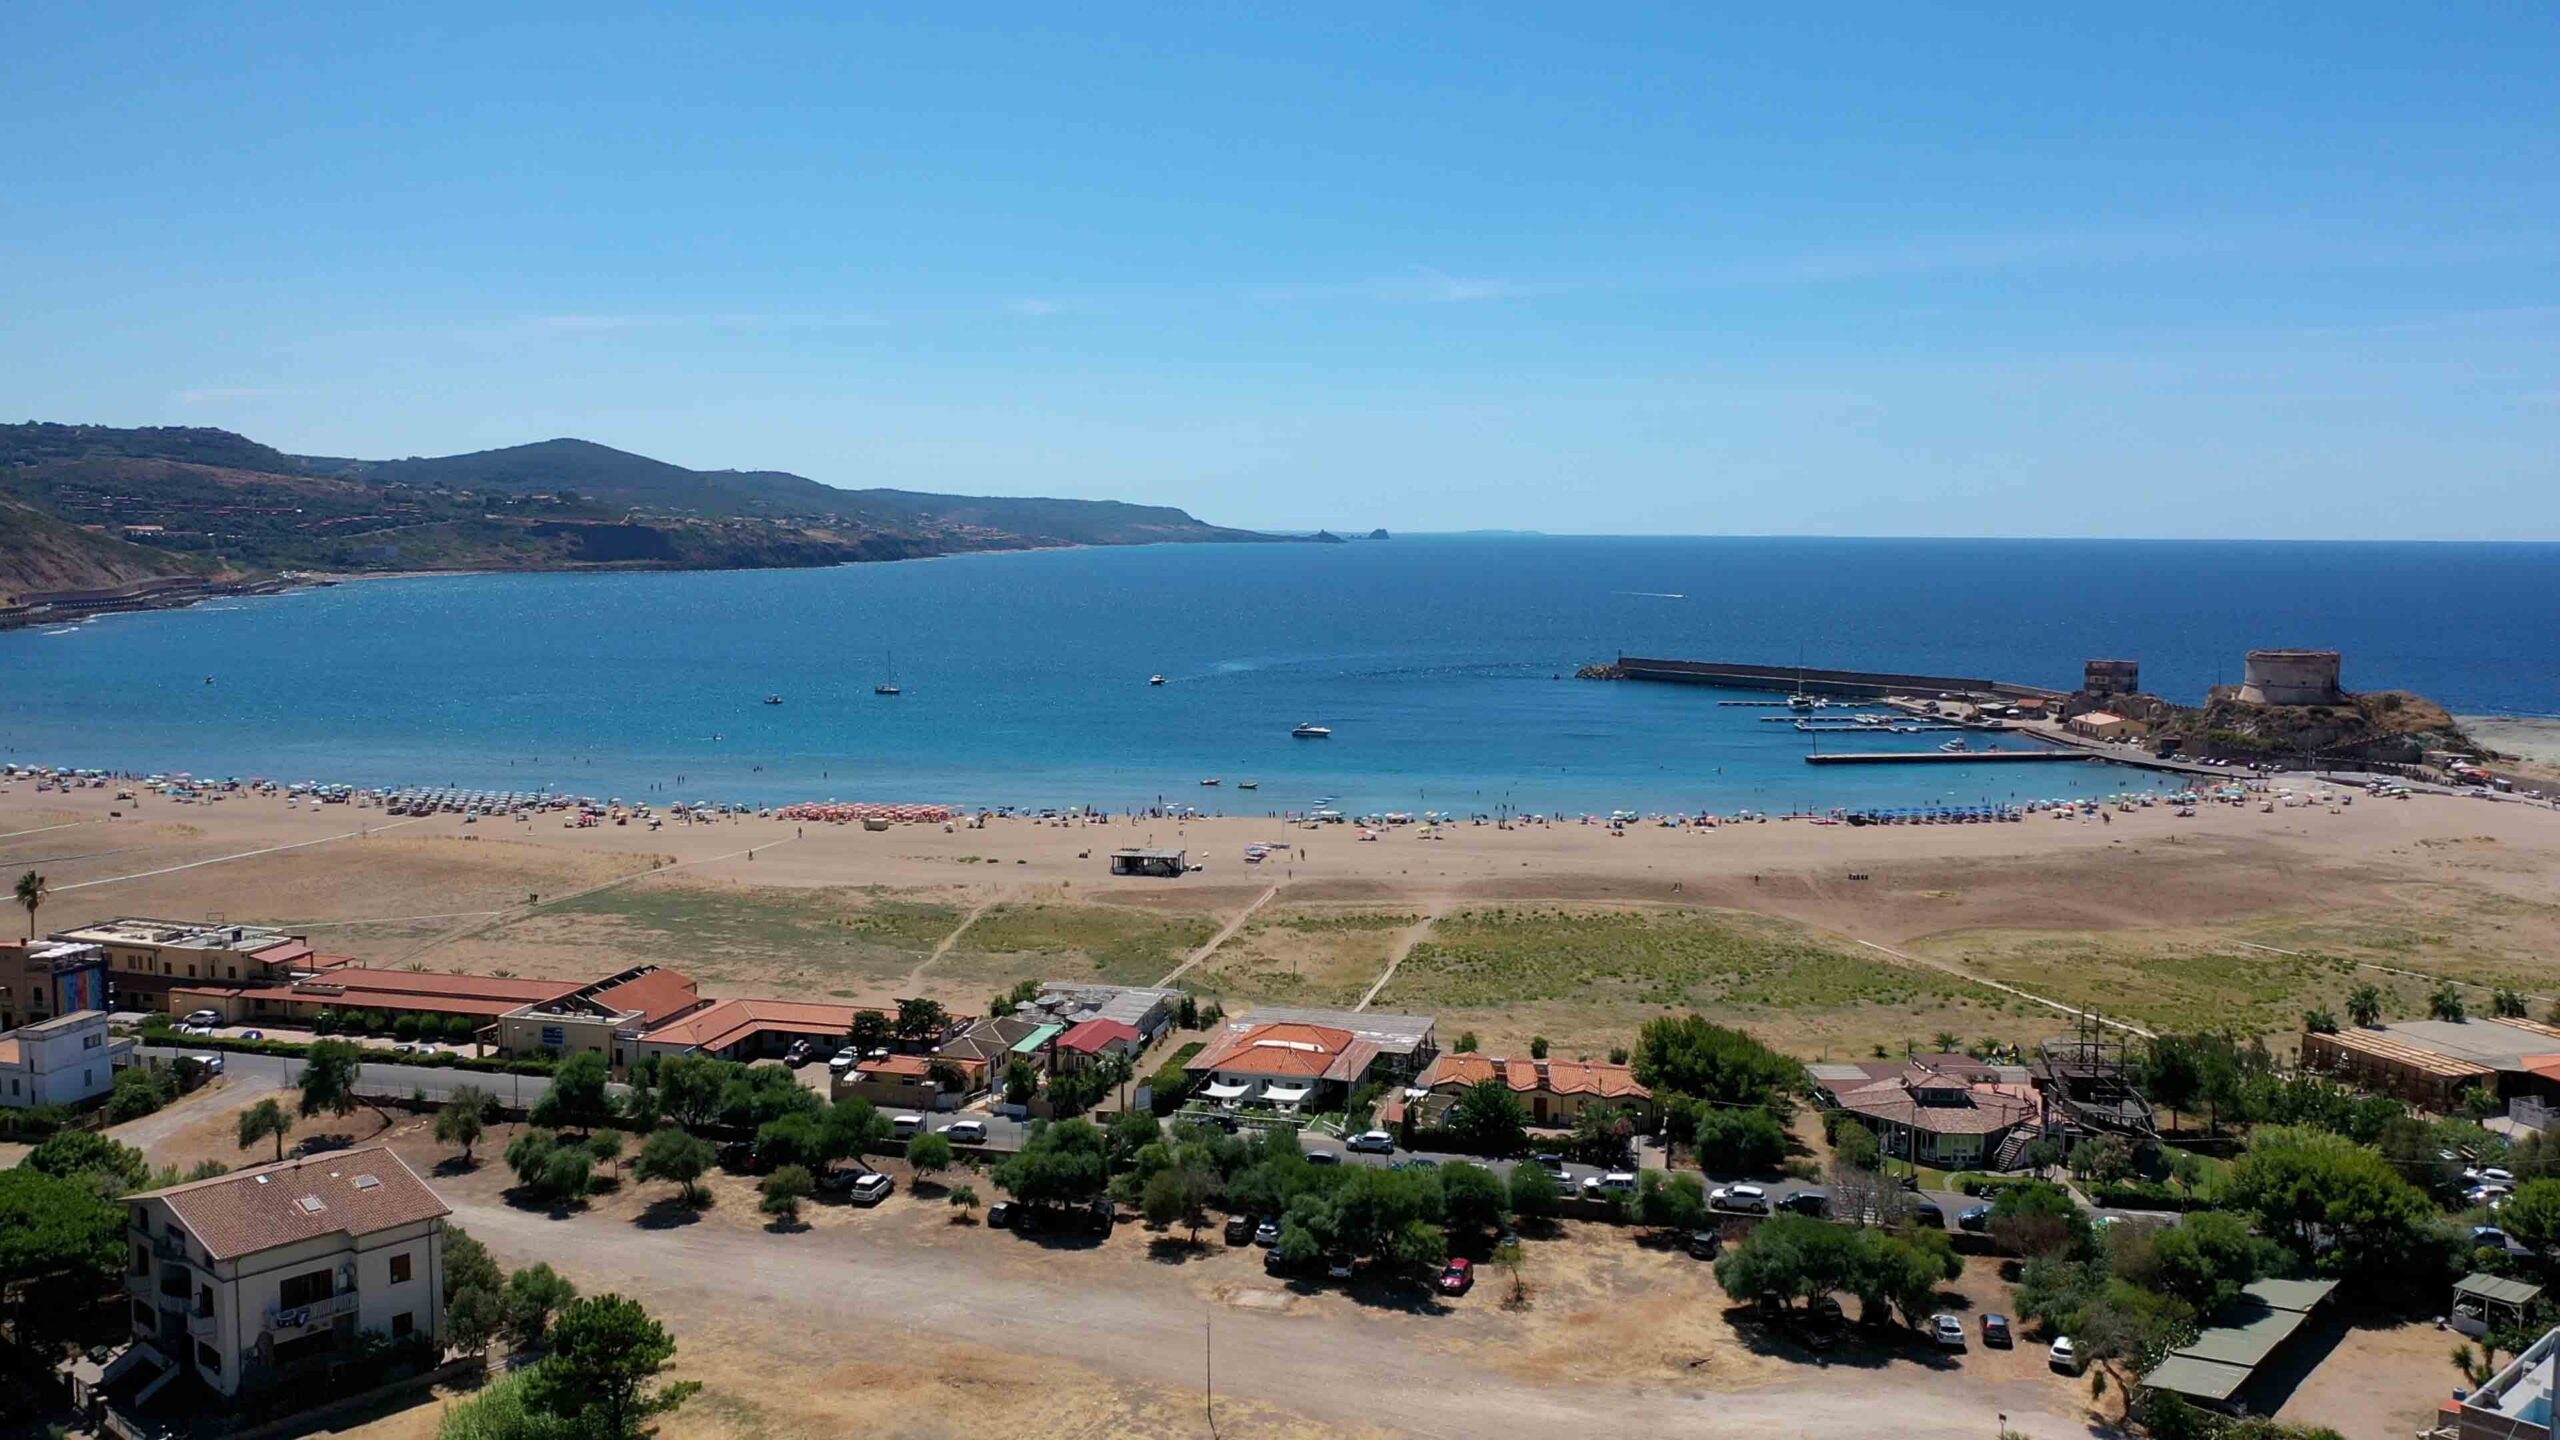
(39, 552)
(200, 500)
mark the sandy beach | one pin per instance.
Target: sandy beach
(1961, 927)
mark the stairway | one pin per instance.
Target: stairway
(2012, 1151)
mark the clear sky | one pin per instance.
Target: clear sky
(2125, 270)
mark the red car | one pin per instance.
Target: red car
(1456, 1280)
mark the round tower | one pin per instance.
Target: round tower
(2291, 677)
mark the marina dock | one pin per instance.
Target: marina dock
(1944, 757)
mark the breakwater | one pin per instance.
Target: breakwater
(1808, 680)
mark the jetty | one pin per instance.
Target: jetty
(1948, 757)
(1803, 680)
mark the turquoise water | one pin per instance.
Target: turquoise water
(1433, 659)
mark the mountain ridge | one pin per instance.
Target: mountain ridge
(187, 500)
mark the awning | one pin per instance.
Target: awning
(1216, 1091)
(1286, 1094)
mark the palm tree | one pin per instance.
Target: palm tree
(31, 889)
(2446, 1003)
(2364, 1006)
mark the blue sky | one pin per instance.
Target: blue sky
(2165, 271)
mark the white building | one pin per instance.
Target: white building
(246, 1279)
(61, 1061)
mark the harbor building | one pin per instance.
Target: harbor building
(253, 1279)
(2291, 677)
(62, 1061)
(2112, 677)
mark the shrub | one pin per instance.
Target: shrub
(405, 1028)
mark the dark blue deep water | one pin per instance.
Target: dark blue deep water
(1432, 659)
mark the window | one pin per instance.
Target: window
(400, 1269)
(92, 1042)
(208, 1357)
(301, 1290)
(403, 1323)
(141, 1261)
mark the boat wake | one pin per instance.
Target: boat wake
(1652, 594)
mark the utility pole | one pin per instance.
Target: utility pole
(1209, 1372)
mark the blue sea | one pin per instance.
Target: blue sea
(1442, 664)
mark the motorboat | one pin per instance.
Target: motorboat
(1248, 784)
(1213, 780)
(1312, 731)
(1955, 747)
(773, 699)
(1155, 679)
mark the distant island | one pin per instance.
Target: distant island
(86, 507)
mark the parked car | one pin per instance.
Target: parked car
(210, 1060)
(1000, 1215)
(1995, 1331)
(798, 1055)
(1947, 1330)
(1458, 1277)
(1621, 1182)
(1274, 1263)
(1927, 1213)
(906, 1127)
(1376, 1142)
(1267, 1234)
(1323, 1157)
(843, 1060)
(2063, 1356)
(195, 1027)
(1240, 1230)
(1099, 1217)
(871, 1187)
(1338, 1267)
(1976, 1217)
(203, 1017)
(1749, 1198)
(253, 1034)
(966, 1132)
(1816, 1203)
(1704, 1244)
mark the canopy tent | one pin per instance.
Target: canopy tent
(1286, 1094)
(1217, 1090)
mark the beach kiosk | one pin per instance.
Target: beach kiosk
(1161, 864)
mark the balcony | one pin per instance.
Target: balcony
(201, 1323)
(318, 1312)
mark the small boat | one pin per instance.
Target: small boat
(1248, 784)
(773, 699)
(1955, 747)
(890, 685)
(1213, 780)
(1155, 679)
(1312, 731)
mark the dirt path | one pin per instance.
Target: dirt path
(1352, 1370)
(944, 948)
(156, 1128)
(1222, 937)
(354, 834)
(511, 915)
(2028, 995)
(1406, 939)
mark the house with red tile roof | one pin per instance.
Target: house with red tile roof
(1952, 1117)
(1287, 1064)
(1094, 1039)
(907, 1082)
(254, 1279)
(739, 1029)
(1555, 1092)
(608, 1016)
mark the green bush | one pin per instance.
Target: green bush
(1171, 1082)
(405, 1028)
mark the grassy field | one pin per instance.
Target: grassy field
(1587, 978)
(1057, 941)
(1308, 956)
(822, 942)
(2193, 979)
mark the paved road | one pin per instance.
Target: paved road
(377, 1076)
